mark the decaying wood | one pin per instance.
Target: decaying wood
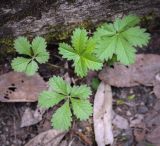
(37, 17)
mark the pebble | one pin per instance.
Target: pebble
(142, 109)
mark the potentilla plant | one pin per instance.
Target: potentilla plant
(74, 99)
(112, 41)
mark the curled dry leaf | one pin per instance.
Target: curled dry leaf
(143, 72)
(48, 138)
(18, 87)
(31, 117)
(102, 115)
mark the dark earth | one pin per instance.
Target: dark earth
(129, 103)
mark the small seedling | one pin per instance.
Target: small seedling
(81, 52)
(34, 53)
(120, 38)
(75, 98)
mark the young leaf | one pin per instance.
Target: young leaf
(22, 46)
(119, 39)
(62, 118)
(59, 85)
(81, 108)
(42, 57)
(75, 97)
(38, 45)
(32, 68)
(48, 99)
(81, 52)
(82, 92)
(37, 53)
(20, 64)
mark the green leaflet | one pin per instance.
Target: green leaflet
(62, 118)
(22, 46)
(75, 98)
(35, 52)
(81, 108)
(119, 38)
(81, 52)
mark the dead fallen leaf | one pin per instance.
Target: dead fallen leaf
(31, 117)
(154, 136)
(102, 115)
(17, 87)
(142, 72)
(120, 122)
(49, 138)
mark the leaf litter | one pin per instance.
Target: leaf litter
(18, 87)
(145, 72)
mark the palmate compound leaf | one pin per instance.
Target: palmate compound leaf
(37, 53)
(21, 64)
(22, 46)
(62, 118)
(81, 52)
(81, 108)
(119, 39)
(75, 97)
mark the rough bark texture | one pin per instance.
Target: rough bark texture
(56, 18)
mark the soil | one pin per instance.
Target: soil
(81, 132)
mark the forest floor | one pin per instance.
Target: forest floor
(133, 105)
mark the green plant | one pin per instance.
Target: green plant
(75, 97)
(32, 54)
(111, 42)
(81, 52)
(120, 38)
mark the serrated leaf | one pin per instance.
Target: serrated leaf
(81, 108)
(38, 45)
(19, 64)
(82, 92)
(59, 85)
(42, 57)
(136, 36)
(119, 39)
(79, 39)
(67, 51)
(108, 47)
(32, 68)
(22, 46)
(125, 52)
(81, 52)
(62, 118)
(129, 21)
(80, 67)
(48, 99)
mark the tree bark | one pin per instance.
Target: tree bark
(55, 19)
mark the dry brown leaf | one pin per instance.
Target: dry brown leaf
(144, 71)
(154, 136)
(17, 87)
(48, 138)
(31, 117)
(102, 115)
